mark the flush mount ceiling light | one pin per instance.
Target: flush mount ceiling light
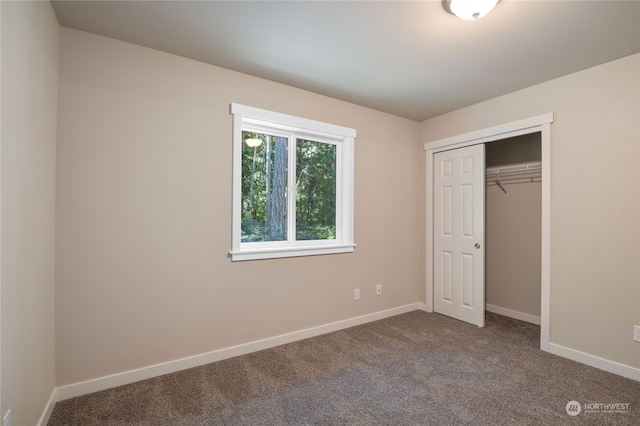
(469, 10)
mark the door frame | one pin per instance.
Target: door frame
(540, 123)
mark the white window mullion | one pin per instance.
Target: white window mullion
(291, 191)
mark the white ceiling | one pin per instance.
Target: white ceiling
(410, 59)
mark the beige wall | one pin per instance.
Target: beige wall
(30, 44)
(144, 214)
(512, 249)
(595, 188)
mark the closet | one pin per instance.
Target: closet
(513, 227)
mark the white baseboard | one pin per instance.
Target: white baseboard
(513, 314)
(124, 378)
(46, 414)
(597, 362)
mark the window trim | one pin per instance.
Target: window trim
(342, 137)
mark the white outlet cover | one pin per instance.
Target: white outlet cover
(636, 333)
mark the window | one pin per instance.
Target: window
(292, 186)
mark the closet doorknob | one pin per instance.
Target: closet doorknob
(477, 245)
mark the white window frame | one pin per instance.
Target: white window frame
(264, 121)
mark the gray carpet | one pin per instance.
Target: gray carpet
(412, 369)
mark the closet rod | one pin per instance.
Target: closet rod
(514, 181)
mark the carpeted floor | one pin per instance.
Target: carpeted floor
(412, 369)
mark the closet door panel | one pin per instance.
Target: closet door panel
(459, 233)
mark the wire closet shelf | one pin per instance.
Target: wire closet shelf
(514, 173)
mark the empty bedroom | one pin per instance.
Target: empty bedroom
(319, 212)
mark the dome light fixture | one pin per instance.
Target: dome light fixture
(253, 142)
(469, 10)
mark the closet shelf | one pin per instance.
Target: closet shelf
(523, 171)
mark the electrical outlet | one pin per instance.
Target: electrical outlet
(378, 289)
(636, 333)
(6, 420)
(356, 294)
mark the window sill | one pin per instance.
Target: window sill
(274, 253)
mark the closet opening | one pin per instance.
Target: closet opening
(513, 227)
(540, 124)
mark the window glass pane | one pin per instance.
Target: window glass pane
(315, 190)
(264, 187)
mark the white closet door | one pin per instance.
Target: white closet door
(459, 233)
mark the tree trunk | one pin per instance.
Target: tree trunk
(278, 206)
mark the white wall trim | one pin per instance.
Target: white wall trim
(545, 237)
(124, 378)
(513, 314)
(501, 131)
(595, 361)
(291, 120)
